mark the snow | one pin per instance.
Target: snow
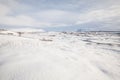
(59, 56)
(8, 32)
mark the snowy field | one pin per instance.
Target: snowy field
(59, 56)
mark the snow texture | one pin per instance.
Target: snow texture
(60, 56)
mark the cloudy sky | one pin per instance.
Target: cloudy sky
(61, 14)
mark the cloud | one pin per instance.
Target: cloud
(4, 10)
(45, 18)
(54, 13)
(99, 15)
(18, 20)
(57, 16)
(5, 18)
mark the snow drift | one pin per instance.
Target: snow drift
(59, 56)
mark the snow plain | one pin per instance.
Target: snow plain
(60, 56)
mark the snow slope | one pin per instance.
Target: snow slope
(6, 32)
(59, 56)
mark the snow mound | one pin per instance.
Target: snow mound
(6, 32)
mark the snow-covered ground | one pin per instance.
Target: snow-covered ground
(60, 56)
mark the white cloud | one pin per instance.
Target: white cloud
(13, 20)
(4, 10)
(99, 15)
(20, 20)
(49, 18)
(57, 16)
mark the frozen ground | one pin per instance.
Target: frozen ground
(59, 56)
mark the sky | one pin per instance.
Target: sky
(61, 15)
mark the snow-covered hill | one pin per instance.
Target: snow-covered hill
(60, 56)
(7, 32)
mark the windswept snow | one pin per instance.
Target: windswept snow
(60, 56)
(6, 32)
